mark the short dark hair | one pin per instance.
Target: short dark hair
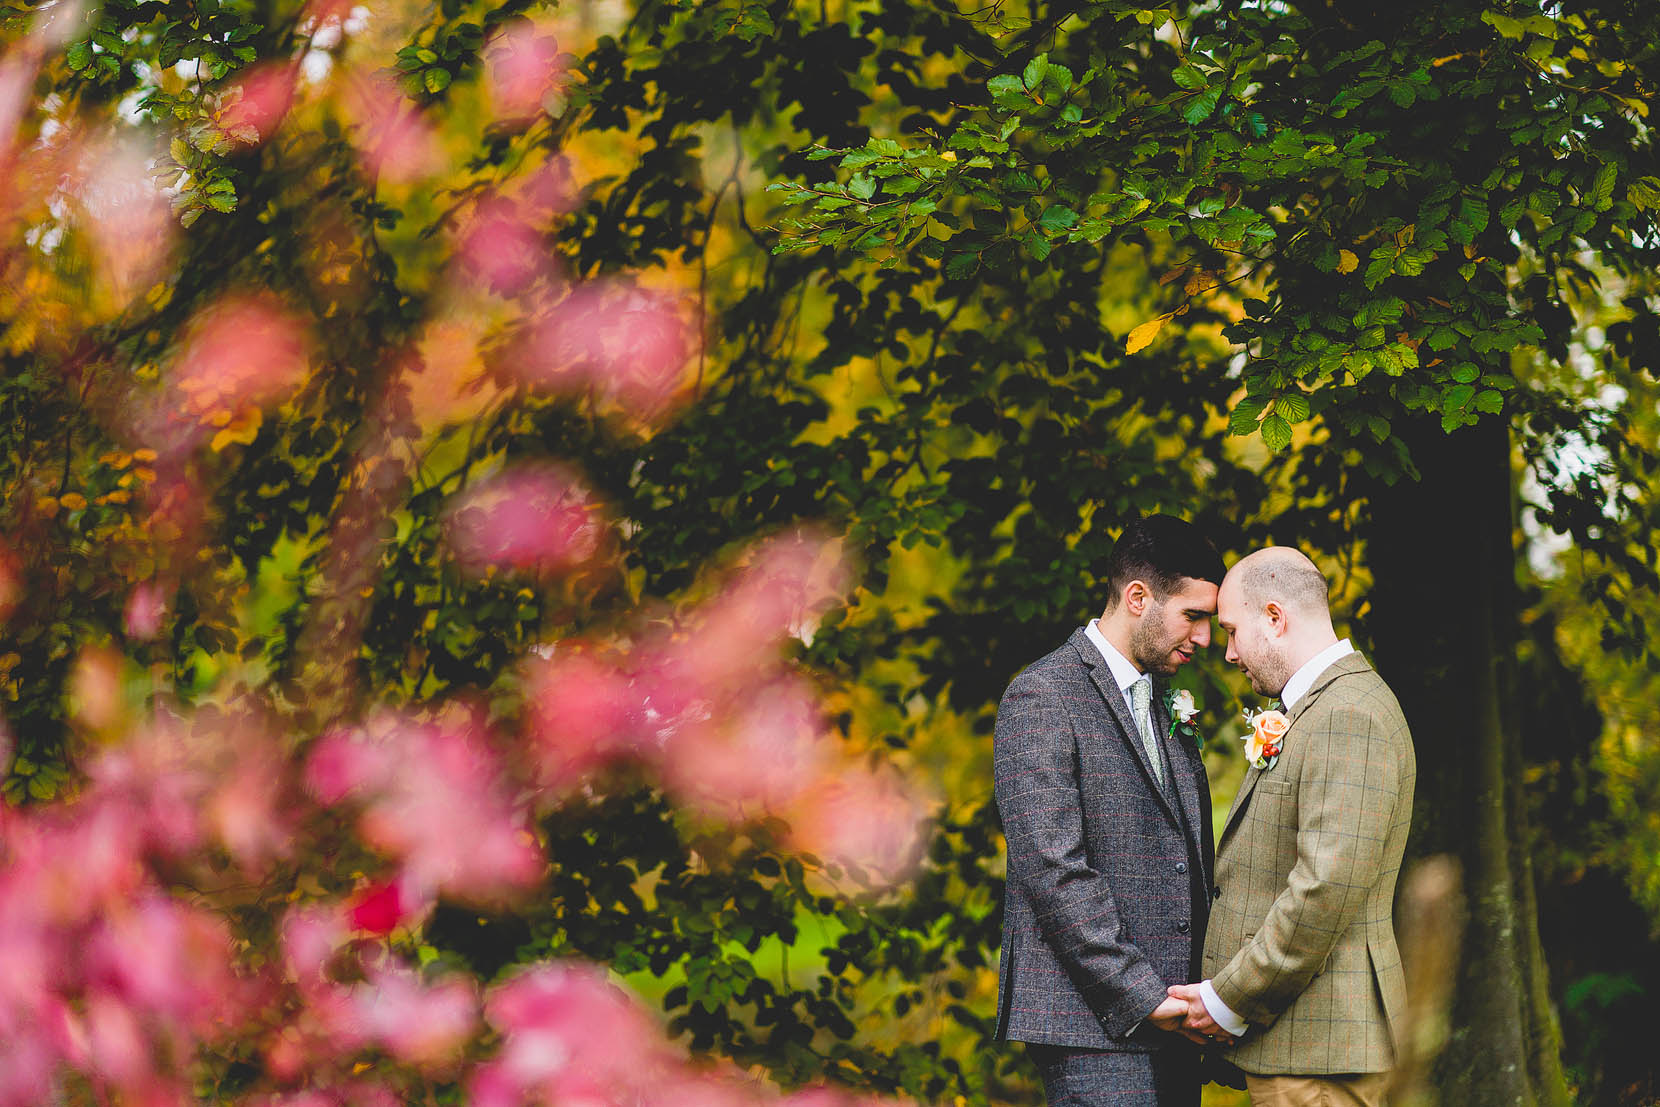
(1161, 550)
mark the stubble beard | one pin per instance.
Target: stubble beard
(1270, 678)
(1149, 653)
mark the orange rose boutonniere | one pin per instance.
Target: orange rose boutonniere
(1262, 745)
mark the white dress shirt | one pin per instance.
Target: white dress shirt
(1295, 689)
(1123, 669)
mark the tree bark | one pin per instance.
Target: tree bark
(1443, 622)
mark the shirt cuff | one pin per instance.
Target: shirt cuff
(1221, 1012)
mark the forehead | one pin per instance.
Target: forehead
(1194, 595)
(1227, 599)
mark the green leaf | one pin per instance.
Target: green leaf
(1036, 70)
(1201, 106)
(1276, 433)
(1243, 419)
(79, 55)
(1057, 217)
(1644, 193)
(1189, 78)
(1292, 407)
(862, 186)
(1470, 221)
(1381, 265)
(1602, 189)
(436, 80)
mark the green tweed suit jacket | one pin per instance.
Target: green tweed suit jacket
(1302, 940)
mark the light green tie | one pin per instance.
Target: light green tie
(1141, 699)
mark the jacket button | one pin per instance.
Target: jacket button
(1181, 866)
(1216, 892)
(1182, 926)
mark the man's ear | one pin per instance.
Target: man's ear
(1277, 624)
(1136, 595)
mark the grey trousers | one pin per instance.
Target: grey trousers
(1168, 1077)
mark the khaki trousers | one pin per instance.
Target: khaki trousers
(1356, 1090)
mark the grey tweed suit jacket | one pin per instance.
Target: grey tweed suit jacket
(1108, 883)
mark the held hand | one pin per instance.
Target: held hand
(1168, 1015)
(1198, 1024)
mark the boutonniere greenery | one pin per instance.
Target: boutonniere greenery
(1179, 706)
(1262, 744)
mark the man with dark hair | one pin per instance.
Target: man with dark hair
(1106, 810)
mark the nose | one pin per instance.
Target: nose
(1231, 654)
(1201, 634)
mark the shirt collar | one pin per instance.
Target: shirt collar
(1123, 671)
(1303, 679)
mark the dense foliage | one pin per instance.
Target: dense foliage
(1064, 254)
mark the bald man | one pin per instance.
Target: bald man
(1302, 979)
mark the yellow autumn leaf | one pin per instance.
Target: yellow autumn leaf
(244, 428)
(144, 454)
(1143, 335)
(1347, 261)
(47, 506)
(74, 501)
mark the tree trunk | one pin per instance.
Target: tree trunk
(1443, 621)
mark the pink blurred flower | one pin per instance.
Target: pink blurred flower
(255, 106)
(95, 688)
(420, 1024)
(567, 1034)
(128, 218)
(245, 350)
(524, 66)
(552, 188)
(248, 810)
(628, 345)
(381, 907)
(146, 609)
(11, 583)
(117, 1047)
(434, 796)
(535, 517)
(756, 758)
(499, 246)
(581, 710)
(168, 960)
(310, 937)
(17, 79)
(785, 586)
(862, 818)
(392, 138)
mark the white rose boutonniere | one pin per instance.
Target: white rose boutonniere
(1179, 705)
(1262, 744)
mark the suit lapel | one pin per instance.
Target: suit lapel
(1244, 793)
(1180, 758)
(1100, 673)
(1348, 663)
